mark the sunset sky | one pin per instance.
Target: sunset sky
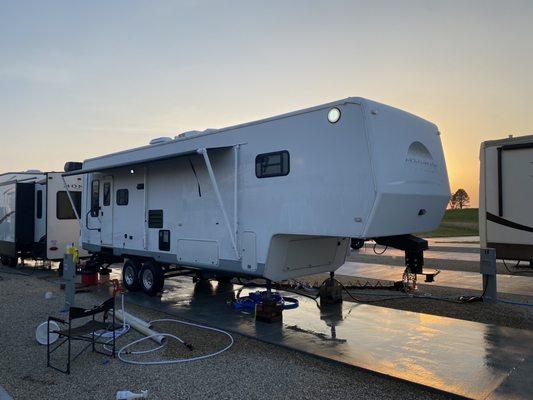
(79, 79)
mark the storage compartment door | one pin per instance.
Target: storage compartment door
(248, 251)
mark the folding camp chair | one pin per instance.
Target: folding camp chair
(91, 331)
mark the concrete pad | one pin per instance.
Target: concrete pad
(513, 284)
(460, 357)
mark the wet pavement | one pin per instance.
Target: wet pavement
(513, 284)
(460, 357)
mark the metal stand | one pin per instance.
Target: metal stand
(330, 292)
(69, 278)
(488, 271)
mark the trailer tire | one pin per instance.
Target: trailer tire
(152, 278)
(4, 260)
(13, 262)
(130, 275)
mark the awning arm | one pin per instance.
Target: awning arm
(203, 152)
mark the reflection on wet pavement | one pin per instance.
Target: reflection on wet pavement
(461, 357)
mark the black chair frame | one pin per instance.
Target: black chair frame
(85, 332)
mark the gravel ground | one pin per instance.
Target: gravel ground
(250, 369)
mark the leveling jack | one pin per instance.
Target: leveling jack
(269, 306)
(331, 291)
(269, 310)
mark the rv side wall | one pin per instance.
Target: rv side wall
(7, 219)
(328, 191)
(303, 183)
(62, 227)
(506, 221)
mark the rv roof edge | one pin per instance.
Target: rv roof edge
(140, 161)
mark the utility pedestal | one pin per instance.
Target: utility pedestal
(69, 278)
(488, 271)
(331, 291)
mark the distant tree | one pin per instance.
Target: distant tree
(453, 203)
(460, 199)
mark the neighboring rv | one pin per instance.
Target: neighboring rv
(505, 197)
(276, 198)
(37, 220)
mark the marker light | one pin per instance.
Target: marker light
(334, 115)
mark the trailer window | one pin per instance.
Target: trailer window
(107, 194)
(64, 208)
(95, 198)
(39, 204)
(122, 197)
(269, 165)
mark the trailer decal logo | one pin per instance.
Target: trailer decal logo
(420, 156)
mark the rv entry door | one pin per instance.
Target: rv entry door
(106, 212)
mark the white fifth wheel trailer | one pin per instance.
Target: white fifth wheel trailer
(36, 217)
(505, 197)
(276, 198)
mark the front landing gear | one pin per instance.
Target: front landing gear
(414, 257)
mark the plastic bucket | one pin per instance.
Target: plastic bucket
(40, 332)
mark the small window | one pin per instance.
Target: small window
(122, 197)
(269, 165)
(107, 194)
(95, 198)
(39, 204)
(64, 208)
(155, 218)
(164, 240)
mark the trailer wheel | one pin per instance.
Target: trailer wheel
(152, 278)
(4, 260)
(130, 275)
(13, 262)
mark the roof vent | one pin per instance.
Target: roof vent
(187, 134)
(34, 171)
(72, 166)
(163, 139)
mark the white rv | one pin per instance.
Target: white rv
(36, 217)
(505, 197)
(276, 198)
